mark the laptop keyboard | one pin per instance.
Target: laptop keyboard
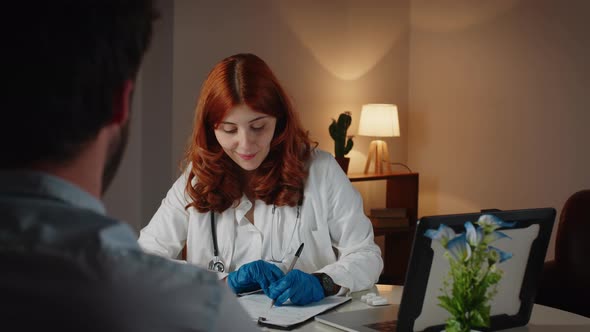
(386, 326)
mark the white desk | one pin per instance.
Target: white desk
(543, 319)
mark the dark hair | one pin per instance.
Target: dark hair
(245, 79)
(65, 60)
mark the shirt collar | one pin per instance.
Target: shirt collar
(243, 207)
(35, 183)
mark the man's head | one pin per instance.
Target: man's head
(71, 67)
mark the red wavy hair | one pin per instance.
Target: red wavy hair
(245, 79)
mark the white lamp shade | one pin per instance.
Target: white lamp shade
(379, 120)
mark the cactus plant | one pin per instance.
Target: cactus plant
(342, 143)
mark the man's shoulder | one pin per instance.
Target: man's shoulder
(192, 295)
(132, 263)
(122, 286)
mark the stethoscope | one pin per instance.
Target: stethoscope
(216, 264)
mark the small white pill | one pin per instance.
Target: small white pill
(374, 298)
(367, 297)
(378, 301)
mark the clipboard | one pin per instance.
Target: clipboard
(287, 316)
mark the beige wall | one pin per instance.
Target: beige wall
(145, 175)
(499, 114)
(331, 56)
(492, 94)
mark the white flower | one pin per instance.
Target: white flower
(459, 249)
(474, 236)
(491, 222)
(443, 234)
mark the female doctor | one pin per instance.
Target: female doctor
(255, 189)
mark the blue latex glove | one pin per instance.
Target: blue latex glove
(300, 287)
(254, 275)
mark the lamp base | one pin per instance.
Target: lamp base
(378, 153)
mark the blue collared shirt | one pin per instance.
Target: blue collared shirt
(46, 217)
(41, 212)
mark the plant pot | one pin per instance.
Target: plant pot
(343, 162)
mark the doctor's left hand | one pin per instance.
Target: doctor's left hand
(254, 275)
(300, 287)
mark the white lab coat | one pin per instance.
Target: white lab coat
(338, 236)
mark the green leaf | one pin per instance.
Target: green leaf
(453, 325)
(476, 319)
(459, 306)
(447, 304)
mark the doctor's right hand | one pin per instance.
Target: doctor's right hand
(252, 276)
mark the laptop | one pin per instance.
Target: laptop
(419, 310)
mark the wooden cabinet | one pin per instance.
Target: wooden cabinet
(401, 192)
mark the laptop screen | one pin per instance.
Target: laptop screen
(512, 305)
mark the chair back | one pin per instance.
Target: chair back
(565, 282)
(573, 235)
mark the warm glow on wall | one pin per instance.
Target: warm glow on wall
(347, 40)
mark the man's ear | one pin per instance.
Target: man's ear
(122, 103)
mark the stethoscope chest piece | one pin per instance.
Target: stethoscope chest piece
(216, 264)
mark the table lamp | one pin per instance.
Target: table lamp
(379, 120)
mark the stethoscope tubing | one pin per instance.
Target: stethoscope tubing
(214, 235)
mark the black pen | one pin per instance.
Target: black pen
(297, 254)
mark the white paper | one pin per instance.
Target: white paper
(258, 305)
